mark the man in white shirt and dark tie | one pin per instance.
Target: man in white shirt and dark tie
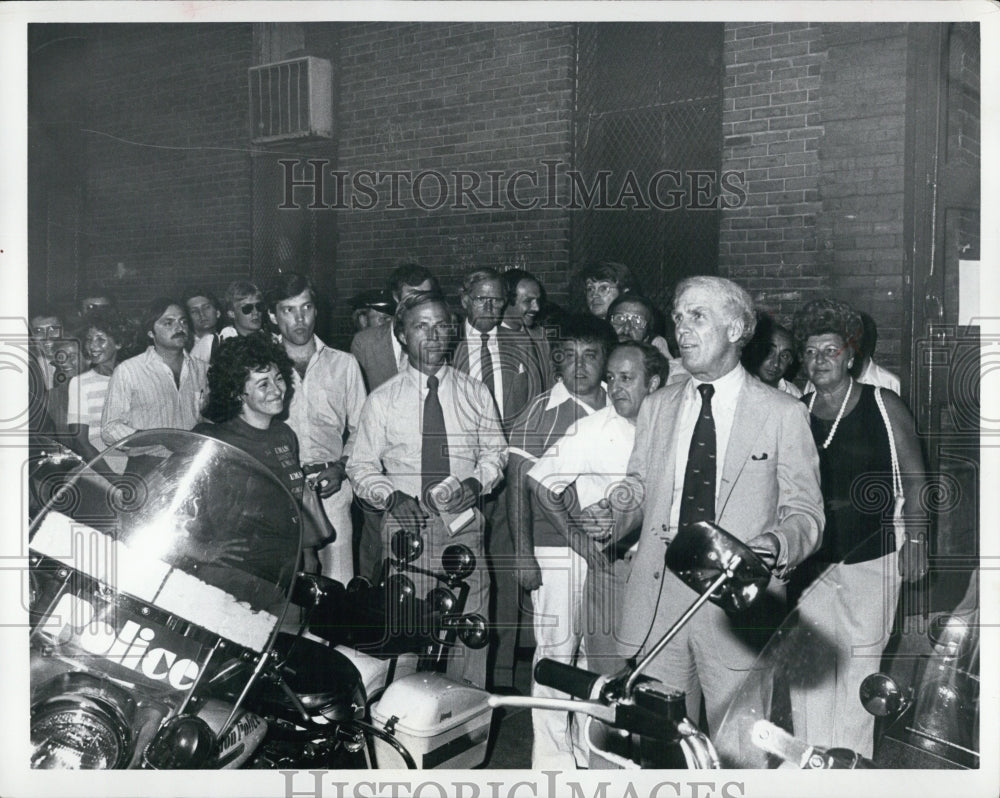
(725, 448)
(428, 423)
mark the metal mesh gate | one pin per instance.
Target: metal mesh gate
(648, 102)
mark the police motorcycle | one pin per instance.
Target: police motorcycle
(931, 721)
(168, 621)
(631, 720)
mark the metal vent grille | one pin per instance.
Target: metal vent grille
(291, 100)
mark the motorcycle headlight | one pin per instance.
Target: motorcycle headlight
(81, 723)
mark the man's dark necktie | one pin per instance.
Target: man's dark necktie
(214, 348)
(698, 497)
(434, 463)
(486, 363)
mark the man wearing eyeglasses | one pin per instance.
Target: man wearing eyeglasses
(44, 329)
(245, 308)
(506, 363)
(632, 317)
(493, 354)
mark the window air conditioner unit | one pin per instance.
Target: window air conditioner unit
(291, 100)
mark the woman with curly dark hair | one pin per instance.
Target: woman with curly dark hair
(248, 384)
(865, 438)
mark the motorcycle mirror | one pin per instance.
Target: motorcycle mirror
(441, 599)
(458, 561)
(406, 545)
(474, 632)
(881, 696)
(184, 742)
(703, 551)
(400, 587)
(949, 635)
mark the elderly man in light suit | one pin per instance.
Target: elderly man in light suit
(764, 475)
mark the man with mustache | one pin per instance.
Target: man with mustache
(162, 387)
(328, 393)
(525, 300)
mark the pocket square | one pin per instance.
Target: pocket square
(761, 456)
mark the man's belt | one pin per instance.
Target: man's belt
(315, 468)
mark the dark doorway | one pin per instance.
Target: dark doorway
(648, 101)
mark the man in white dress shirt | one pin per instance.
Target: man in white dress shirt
(204, 313)
(592, 460)
(724, 448)
(162, 387)
(426, 424)
(327, 397)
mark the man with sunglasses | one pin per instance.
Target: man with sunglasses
(245, 308)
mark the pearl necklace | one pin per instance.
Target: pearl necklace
(840, 413)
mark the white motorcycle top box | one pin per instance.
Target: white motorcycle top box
(441, 722)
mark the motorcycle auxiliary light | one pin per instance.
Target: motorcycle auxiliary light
(81, 722)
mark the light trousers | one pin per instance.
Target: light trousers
(557, 606)
(337, 559)
(846, 615)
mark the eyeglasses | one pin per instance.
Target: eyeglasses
(246, 309)
(828, 353)
(49, 331)
(600, 289)
(483, 301)
(635, 319)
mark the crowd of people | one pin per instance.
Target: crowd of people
(565, 447)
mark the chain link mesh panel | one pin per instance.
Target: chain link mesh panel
(648, 103)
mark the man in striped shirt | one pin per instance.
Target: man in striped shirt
(547, 566)
(164, 387)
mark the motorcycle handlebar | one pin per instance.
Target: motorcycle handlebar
(575, 681)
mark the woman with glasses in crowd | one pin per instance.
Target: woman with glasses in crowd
(849, 611)
(598, 285)
(633, 318)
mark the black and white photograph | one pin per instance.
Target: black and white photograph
(496, 400)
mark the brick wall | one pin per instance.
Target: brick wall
(168, 178)
(814, 114)
(454, 96)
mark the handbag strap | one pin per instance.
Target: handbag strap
(897, 481)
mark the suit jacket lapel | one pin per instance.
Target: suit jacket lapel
(460, 357)
(663, 459)
(749, 419)
(384, 350)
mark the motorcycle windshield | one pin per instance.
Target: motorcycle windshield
(142, 574)
(807, 676)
